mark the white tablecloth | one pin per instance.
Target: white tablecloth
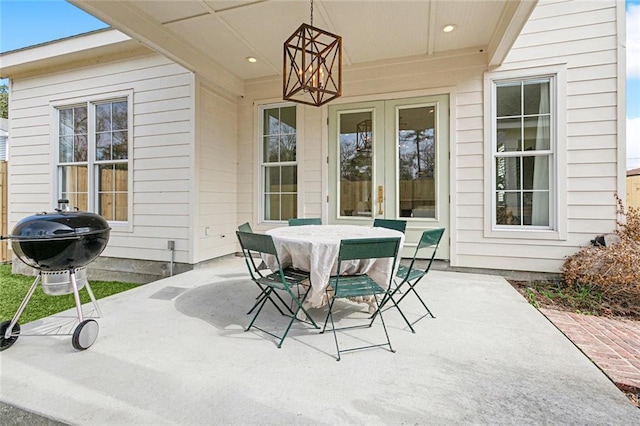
(314, 248)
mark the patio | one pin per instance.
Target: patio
(174, 352)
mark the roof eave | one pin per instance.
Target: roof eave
(64, 50)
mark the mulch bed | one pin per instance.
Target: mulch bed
(620, 307)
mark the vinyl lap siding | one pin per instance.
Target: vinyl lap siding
(581, 34)
(161, 155)
(216, 165)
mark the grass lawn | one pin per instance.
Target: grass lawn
(13, 289)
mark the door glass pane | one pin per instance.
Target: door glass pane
(356, 141)
(416, 161)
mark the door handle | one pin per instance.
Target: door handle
(380, 198)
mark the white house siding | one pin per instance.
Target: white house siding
(582, 34)
(161, 157)
(216, 159)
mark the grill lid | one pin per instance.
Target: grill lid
(58, 225)
(60, 240)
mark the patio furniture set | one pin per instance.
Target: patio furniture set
(315, 265)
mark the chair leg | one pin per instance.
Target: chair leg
(262, 295)
(384, 326)
(293, 316)
(300, 303)
(423, 304)
(261, 303)
(333, 327)
(396, 303)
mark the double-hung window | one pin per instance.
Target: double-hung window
(278, 165)
(93, 157)
(524, 145)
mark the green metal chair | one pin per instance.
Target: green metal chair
(246, 227)
(398, 225)
(280, 280)
(410, 275)
(346, 286)
(305, 221)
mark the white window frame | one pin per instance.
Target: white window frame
(92, 165)
(557, 185)
(261, 164)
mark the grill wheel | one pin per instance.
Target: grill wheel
(6, 343)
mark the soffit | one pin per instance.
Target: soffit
(220, 34)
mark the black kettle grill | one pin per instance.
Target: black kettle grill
(59, 245)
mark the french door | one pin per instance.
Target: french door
(390, 159)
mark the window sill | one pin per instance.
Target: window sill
(526, 234)
(120, 227)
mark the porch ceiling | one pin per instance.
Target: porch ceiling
(214, 37)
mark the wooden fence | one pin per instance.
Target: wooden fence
(633, 191)
(4, 244)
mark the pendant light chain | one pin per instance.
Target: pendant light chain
(312, 13)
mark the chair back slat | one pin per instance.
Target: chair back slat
(395, 224)
(368, 248)
(430, 237)
(305, 221)
(245, 227)
(260, 243)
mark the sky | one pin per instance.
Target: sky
(28, 22)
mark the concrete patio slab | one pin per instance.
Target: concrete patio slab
(487, 358)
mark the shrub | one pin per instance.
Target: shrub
(613, 269)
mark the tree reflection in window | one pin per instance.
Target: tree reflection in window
(416, 153)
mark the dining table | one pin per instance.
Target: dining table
(315, 248)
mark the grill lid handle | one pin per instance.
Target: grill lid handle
(63, 205)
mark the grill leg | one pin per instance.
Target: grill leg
(93, 299)
(76, 294)
(23, 305)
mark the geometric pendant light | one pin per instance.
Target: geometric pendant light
(312, 66)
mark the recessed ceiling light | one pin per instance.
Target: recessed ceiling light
(448, 28)
(251, 59)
